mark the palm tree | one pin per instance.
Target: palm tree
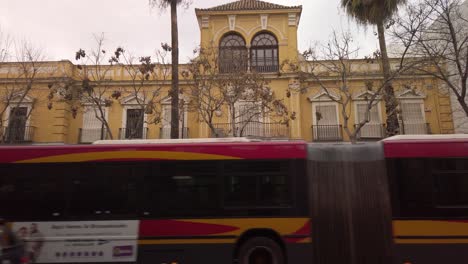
(378, 12)
(174, 92)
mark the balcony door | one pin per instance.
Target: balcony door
(134, 127)
(249, 120)
(326, 125)
(373, 129)
(93, 129)
(16, 131)
(412, 113)
(166, 122)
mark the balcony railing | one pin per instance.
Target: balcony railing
(327, 133)
(251, 129)
(265, 68)
(165, 132)
(16, 135)
(415, 128)
(133, 133)
(89, 135)
(371, 131)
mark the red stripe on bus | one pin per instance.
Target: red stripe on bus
(305, 230)
(253, 150)
(425, 149)
(169, 228)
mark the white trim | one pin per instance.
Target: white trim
(361, 96)
(324, 97)
(232, 22)
(411, 94)
(264, 21)
(132, 100)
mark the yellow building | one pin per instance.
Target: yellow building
(265, 35)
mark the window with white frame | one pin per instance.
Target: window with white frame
(249, 119)
(326, 125)
(93, 128)
(166, 122)
(412, 116)
(372, 129)
(134, 124)
(16, 124)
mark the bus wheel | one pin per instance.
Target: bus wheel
(261, 250)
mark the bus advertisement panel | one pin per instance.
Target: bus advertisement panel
(83, 241)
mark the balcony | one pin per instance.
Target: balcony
(371, 131)
(252, 129)
(89, 135)
(165, 132)
(132, 133)
(16, 135)
(327, 133)
(415, 128)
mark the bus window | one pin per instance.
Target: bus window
(257, 184)
(33, 190)
(182, 188)
(105, 190)
(451, 182)
(434, 187)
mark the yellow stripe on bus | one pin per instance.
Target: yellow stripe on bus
(431, 241)
(110, 155)
(429, 228)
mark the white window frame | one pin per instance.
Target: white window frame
(165, 105)
(314, 111)
(93, 108)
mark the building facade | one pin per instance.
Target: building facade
(249, 36)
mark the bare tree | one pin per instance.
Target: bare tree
(437, 31)
(333, 65)
(337, 58)
(245, 96)
(147, 78)
(174, 93)
(94, 90)
(19, 78)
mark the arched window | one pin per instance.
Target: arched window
(264, 53)
(232, 54)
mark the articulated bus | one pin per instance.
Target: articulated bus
(402, 200)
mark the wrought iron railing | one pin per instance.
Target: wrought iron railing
(16, 134)
(327, 133)
(415, 128)
(371, 131)
(251, 129)
(89, 135)
(265, 68)
(133, 133)
(165, 132)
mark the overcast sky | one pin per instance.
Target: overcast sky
(61, 27)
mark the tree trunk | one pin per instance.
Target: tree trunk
(389, 94)
(175, 72)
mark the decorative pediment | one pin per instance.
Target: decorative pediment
(168, 100)
(132, 100)
(411, 94)
(18, 98)
(365, 95)
(323, 96)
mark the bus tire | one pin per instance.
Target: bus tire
(261, 247)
